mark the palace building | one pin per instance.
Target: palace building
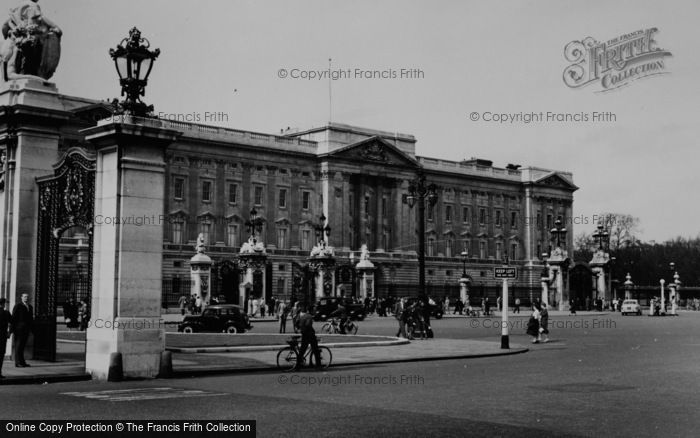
(358, 179)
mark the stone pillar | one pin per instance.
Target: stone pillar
(464, 290)
(558, 261)
(663, 297)
(128, 259)
(672, 295)
(31, 114)
(200, 274)
(598, 262)
(251, 258)
(365, 268)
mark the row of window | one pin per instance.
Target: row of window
(233, 235)
(233, 194)
(431, 249)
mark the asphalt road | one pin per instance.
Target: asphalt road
(602, 375)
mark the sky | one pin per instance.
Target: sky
(501, 57)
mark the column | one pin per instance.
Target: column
(31, 115)
(127, 259)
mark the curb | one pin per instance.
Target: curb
(194, 372)
(255, 348)
(43, 379)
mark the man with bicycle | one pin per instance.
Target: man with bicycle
(342, 313)
(308, 337)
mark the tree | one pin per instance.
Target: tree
(583, 246)
(623, 229)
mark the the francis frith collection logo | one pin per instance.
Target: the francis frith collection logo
(614, 63)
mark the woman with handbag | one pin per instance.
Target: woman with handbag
(533, 324)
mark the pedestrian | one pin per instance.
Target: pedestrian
(193, 304)
(399, 310)
(182, 302)
(22, 322)
(544, 322)
(198, 305)
(308, 338)
(70, 313)
(83, 315)
(517, 306)
(487, 307)
(572, 307)
(5, 326)
(498, 303)
(447, 305)
(282, 312)
(295, 317)
(533, 324)
(263, 308)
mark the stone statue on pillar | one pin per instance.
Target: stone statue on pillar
(32, 46)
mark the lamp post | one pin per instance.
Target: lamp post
(323, 231)
(418, 192)
(601, 236)
(254, 224)
(558, 232)
(133, 60)
(628, 286)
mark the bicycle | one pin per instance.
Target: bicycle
(287, 357)
(333, 327)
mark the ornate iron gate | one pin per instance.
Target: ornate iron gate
(66, 200)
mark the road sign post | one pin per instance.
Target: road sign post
(505, 273)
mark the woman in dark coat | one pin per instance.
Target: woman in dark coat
(544, 322)
(533, 324)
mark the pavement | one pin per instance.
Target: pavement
(203, 354)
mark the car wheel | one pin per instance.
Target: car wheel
(188, 329)
(231, 329)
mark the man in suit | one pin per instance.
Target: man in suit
(5, 321)
(22, 319)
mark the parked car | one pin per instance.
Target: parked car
(227, 318)
(435, 310)
(325, 306)
(630, 306)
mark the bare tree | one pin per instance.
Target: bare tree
(623, 229)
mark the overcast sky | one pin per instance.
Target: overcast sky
(474, 56)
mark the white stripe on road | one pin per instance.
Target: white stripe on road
(142, 394)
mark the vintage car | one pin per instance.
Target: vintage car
(631, 306)
(227, 318)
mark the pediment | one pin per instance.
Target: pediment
(553, 179)
(375, 150)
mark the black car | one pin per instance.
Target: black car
(227, 318)
(435, 309)
(325, 306)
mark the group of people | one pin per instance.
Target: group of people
(19, 324)
(193, 304)
(76, 315)
(415, 316)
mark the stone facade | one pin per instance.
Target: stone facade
(358, 179)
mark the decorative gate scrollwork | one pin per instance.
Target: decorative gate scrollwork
(66, 200)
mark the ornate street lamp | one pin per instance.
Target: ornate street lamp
(254, 224)
(465, 256)
(134, 60)
(558, 232)
(323, 230)
(418, 192)
(602, 237)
